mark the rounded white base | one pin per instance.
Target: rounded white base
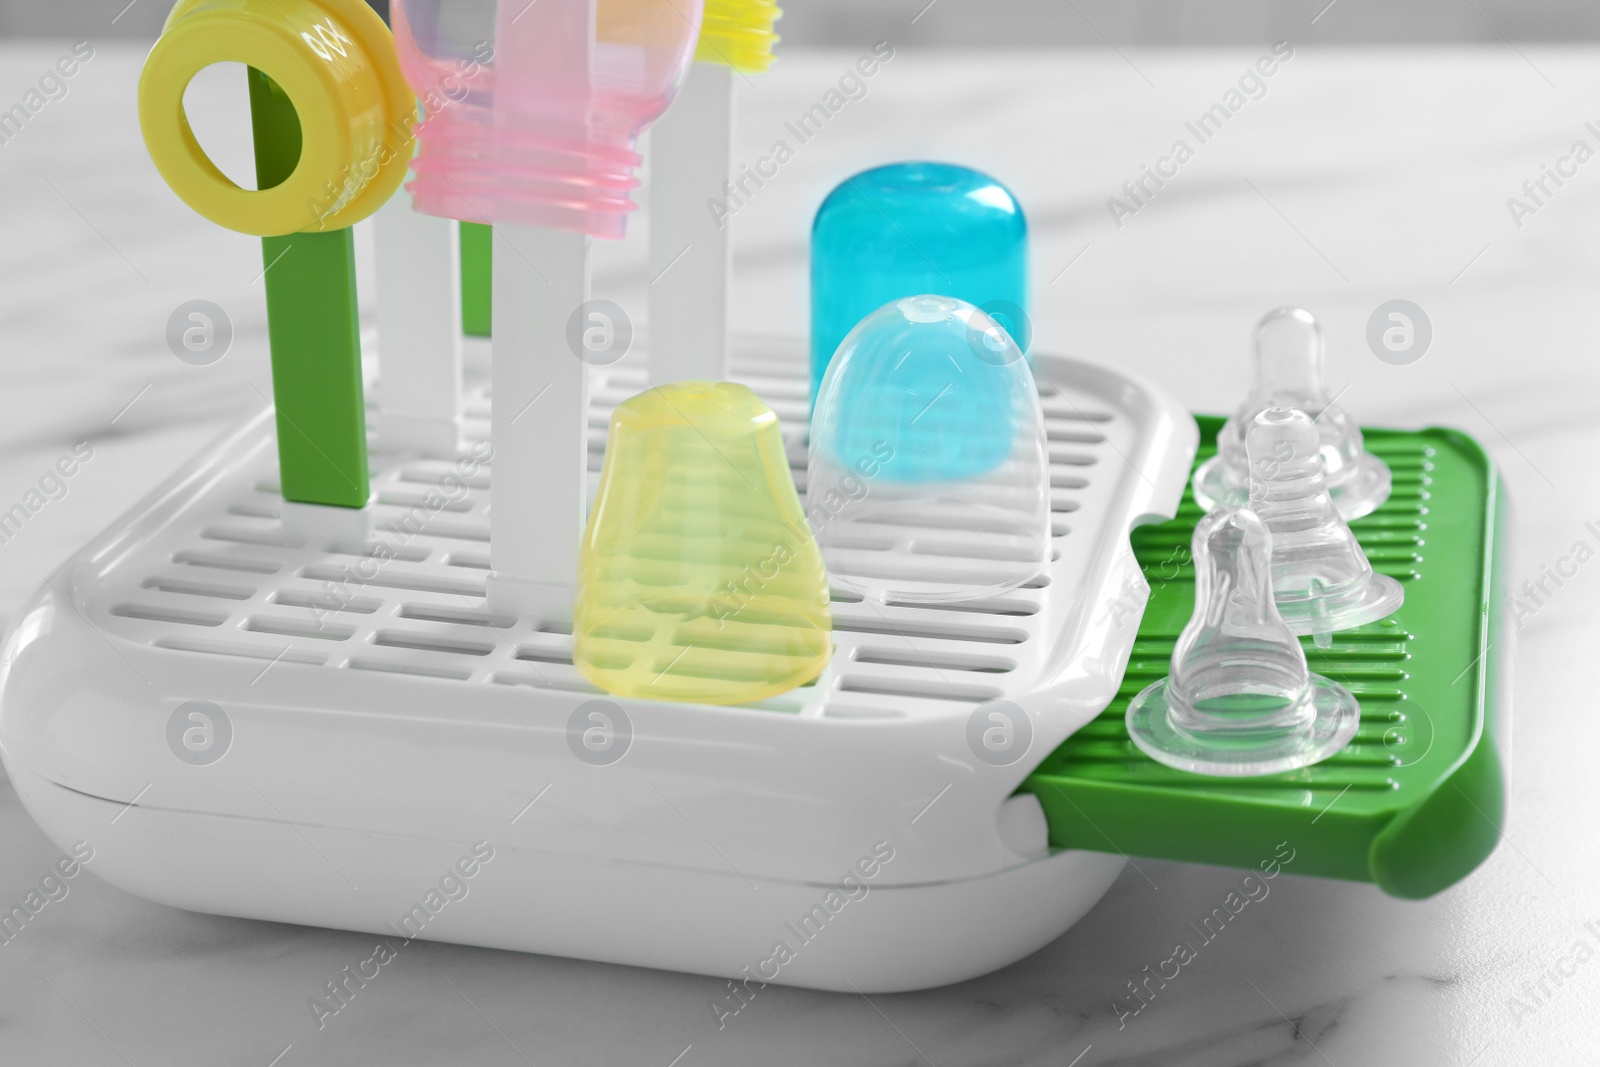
(890, 939)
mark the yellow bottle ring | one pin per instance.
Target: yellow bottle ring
(335, 60)
(738, 34)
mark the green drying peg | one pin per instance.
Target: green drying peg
(345, 76)
(314, 330)
(477, 287)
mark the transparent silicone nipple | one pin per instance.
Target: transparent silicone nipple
(928, 479)
(1321, 578)
(1289, 350)
(1239, 700)
(698, 579)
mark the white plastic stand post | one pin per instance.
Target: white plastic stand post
(691, 160)
(419, 329)
(539, 422)
(320, 524)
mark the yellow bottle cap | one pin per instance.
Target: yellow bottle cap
(699, 579)
(738, 34)
(335, 60)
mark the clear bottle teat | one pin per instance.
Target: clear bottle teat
(1321, 578)
(1289, 352)
(1240, 700)
(929, 474)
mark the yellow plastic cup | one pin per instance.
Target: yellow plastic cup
(335, 60)
(738, 34)
(699, 579)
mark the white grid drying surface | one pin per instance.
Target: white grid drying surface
(226, 579)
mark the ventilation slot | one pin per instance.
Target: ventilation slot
(255, 652)
(382, 550)
(297, 598)
(216, 561)
(1076, 437)
(862, 540)
(409, 668)
(1064, 408)
(456, 531)
(933, 520)
(192, 588)
(935, 661)
(974, 550)
(420, 583)
(163, 614)
(991, 606)
(476, 560)
(463, 616)
(422, 476)
(897, 628)
(267, 624)
(920, 690)
(431, 643)
(422, 502)
(273, 538)
(544, 655)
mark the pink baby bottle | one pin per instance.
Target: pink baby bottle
(531, 109)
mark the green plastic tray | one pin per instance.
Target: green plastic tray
(1416, 801)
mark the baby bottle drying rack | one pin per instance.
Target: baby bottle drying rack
(381, 724)
(324, 715)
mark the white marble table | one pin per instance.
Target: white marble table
(1359, 177)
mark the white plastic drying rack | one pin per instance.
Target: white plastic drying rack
(371, 746)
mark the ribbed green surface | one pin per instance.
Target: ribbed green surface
(1415, 802)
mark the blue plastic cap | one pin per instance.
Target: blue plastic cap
(915, 228)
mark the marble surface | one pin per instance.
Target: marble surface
(1359, 177)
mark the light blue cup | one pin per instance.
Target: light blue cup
(909, 229)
